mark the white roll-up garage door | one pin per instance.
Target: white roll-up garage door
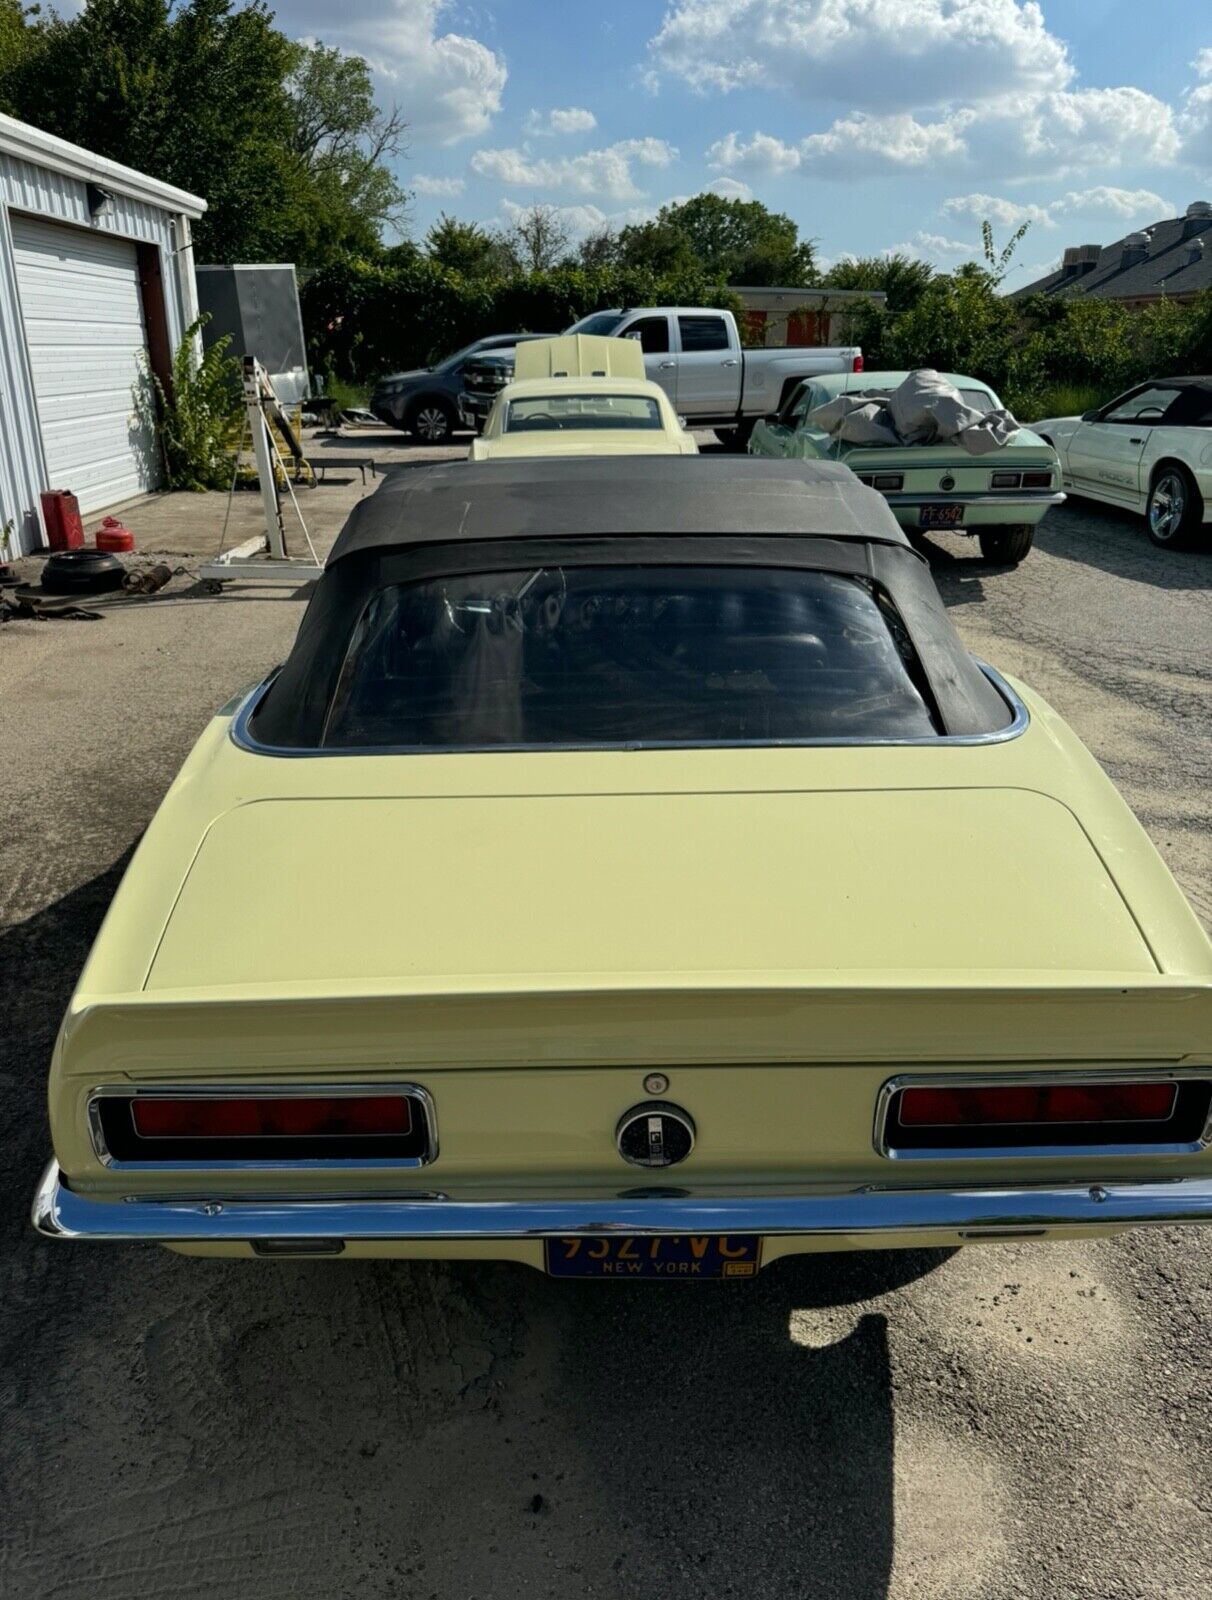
(84, 328)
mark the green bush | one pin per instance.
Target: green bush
(365, 318)
(199, 418)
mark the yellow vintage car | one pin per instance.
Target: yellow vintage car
(633, 876)
(561, 416)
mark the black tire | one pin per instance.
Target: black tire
(431, 420)
(736, 439)
(82, 572)
(1005, 546)
(1174, 509)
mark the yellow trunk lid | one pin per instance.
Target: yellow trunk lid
(588, 890)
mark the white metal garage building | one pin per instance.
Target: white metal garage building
(96, 290)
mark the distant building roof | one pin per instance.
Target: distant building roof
(1173, 258)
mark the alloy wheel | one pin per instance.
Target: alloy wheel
(1167, 507)
(432, 424)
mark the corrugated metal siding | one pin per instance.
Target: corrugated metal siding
(25, 187)
(87, 344)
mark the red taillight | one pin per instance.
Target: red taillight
(857, 364)
(271, 1117)
(1026, 1105)
(1037, 480)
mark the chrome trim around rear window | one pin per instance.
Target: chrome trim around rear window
(868, 1213)
(247, 1091)
(242, 736)
(1125, 1072)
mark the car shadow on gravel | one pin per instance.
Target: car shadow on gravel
(1115, 541)
(959, 576)
(40, 960)
(736, 1452)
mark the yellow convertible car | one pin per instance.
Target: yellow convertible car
(582, 416)
(633, 878)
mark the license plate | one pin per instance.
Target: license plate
(944, 515)
(689, 1256)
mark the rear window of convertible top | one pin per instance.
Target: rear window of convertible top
(628, 655)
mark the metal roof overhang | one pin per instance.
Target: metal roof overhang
(26, 143)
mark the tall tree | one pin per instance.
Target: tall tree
(599, 248)
(467, 248)
(736, 241)
(539, 238)
(284, 143)
(902, 278)
(344, 142)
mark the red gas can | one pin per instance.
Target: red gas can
(113, 537)
(64, 526)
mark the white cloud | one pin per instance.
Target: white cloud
(1195, 120)
(447, 84)
(583, 220)
(568, 119)
(935, 248)
(988, 207)
(938, 244)
(1103, 200)
(596, 172)
(1120, 204)
(1061, 134)
(761, 154)
(1085, 129)
(424, 184)
(871, 54)
(975, 85)
(730, 189)
(861, 144)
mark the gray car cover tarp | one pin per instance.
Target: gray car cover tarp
(924, 409)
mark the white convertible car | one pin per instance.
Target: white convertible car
(1149, 450)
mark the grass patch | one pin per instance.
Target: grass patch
(349, 396)
(1058, 400)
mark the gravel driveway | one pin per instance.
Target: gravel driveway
(1002, 1421)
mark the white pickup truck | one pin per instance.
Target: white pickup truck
(695, 354)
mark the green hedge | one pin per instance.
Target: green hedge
(1030, 349)
(364, 318)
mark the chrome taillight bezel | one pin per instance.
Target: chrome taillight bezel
(1127, 1073)
(422, 1103)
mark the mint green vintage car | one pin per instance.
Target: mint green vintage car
(999, 497)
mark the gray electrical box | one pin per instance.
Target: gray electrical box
(258, 305)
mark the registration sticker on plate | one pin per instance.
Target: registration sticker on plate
(685, 1256)
(944, 514)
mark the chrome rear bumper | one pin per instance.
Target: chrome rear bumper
(977, 500)
(60, 1213)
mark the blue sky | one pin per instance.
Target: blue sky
(877, 124)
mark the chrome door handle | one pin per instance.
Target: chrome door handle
(731, 363)
(665, 365)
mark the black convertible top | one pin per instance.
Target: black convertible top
(595, 496)
(441, 521)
